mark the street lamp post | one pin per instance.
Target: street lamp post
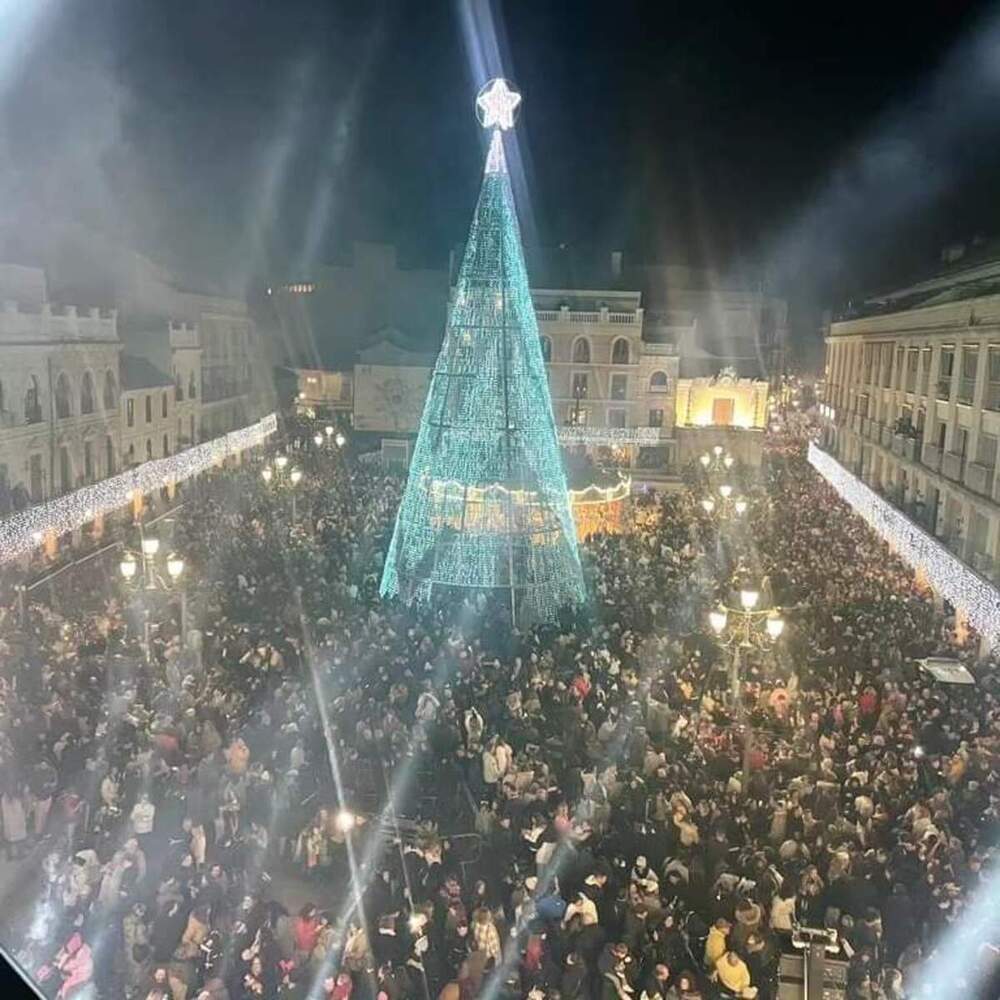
(740, 629)
(145, 574)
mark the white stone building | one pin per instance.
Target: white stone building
(912, 406)
(59, 393)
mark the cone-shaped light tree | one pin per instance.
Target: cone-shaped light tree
(485, 505)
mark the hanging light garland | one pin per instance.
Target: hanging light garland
(947, 574)
(26, 530)
(612, 436)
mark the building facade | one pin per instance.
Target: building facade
(148, 427)
(59, 395)
(911, 405)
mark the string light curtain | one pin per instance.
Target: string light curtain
(27, 530)
(486, 504)
(946, 573)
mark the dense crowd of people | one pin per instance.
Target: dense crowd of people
(315, 794)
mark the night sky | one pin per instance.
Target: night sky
(833, 148)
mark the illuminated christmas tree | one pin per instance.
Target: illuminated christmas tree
(485, 505)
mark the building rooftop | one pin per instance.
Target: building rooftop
(139, 373)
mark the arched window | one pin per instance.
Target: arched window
(109, 456)
(32, 402)
(65, 470)
(620, 352)
(149, 448)
(581, 351)
(546, 348)
(110, 391)
(658, 382)
(64, 402)
(87, 393)
(192, 387)
(166, 446)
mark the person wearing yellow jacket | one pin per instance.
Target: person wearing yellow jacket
(734, 975)
(715, 944)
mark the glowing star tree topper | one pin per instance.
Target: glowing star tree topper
(496, 104)
(486, 505)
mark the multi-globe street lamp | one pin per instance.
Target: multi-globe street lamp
(718, 460)
(740, 630)
(146, 574)
(281, 479)
(726, 504)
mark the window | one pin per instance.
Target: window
(109, 456)
(579, 388)
(178, 388)
(64, 406)
(149, 409)
(110, 391)
(191, 418)
(869, 358)
(131, 454)
(886, 365)
(722, 412)
(546, 348)
(130, 412)
(88, 462)
(656, 418)
(926, 354)
(65, 471)
(620, 352)
(900, 360)
(616, 418)
(192, 388)
(619, 386)
(87, 393)
(163, 405)
(991, 400)
(945, 372)
(912, 363)
(970, 368)
(581, 351)
(149, 447)
(32, 405)
(986, 451)
(658, 382)
(166, 445)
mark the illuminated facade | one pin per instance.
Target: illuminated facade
(911, 406)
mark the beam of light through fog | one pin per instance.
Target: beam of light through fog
(488, 56)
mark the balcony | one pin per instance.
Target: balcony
(865, 425)
(932, 457)
(944, 388)
(966, 391)
(979, 478)
(886, 438)
(952, 466)
(911, 448)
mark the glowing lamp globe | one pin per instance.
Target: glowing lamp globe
(728, 461)
(175, 565)
(740, 506)
(346, 821)
(266, 474)
(709, 504)
(281, 461)
(725, 491)
(775, 626)
(295, 476)
(717, 450)
(717, 619)
(317, 439)
(328, 430)
(340, 440)
(496, 103)
(150, 546)
(128, 566)
(749, 599)
(704, 460)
